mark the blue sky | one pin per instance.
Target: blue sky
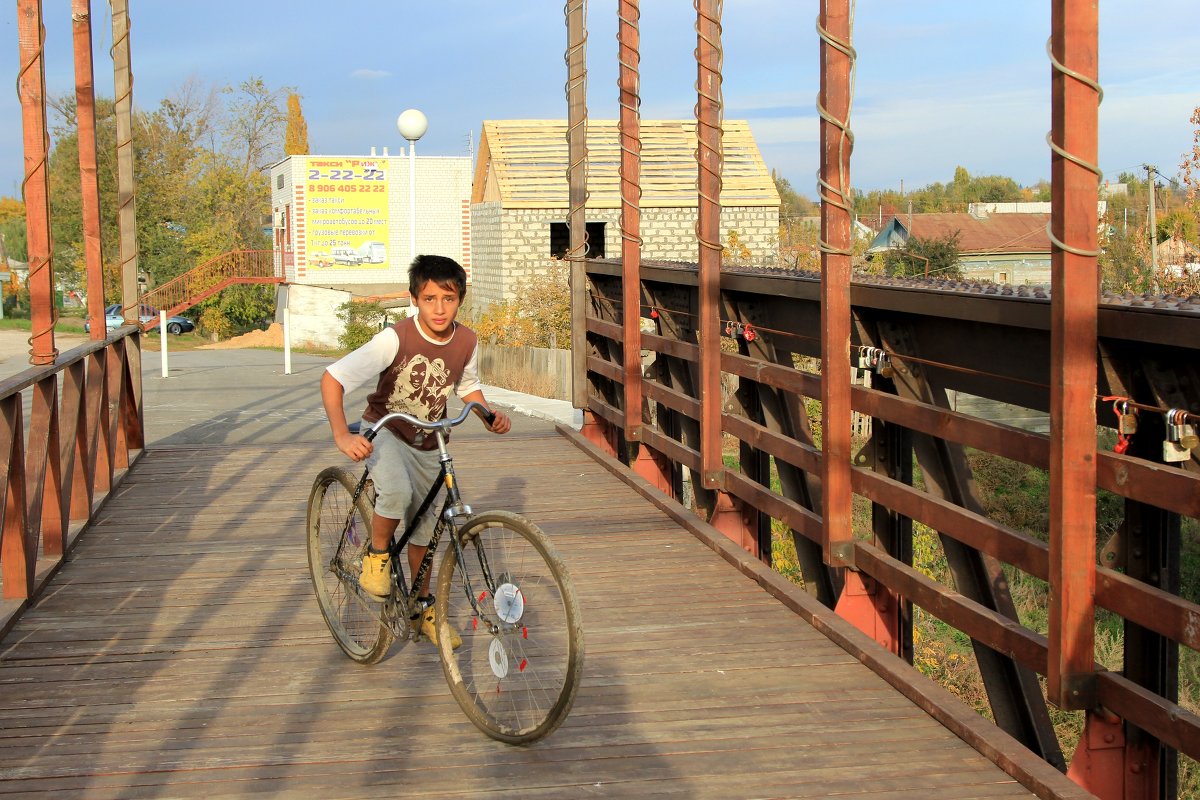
(939, 83)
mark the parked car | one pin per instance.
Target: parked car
(113, 318)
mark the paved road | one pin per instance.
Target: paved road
(244, 396)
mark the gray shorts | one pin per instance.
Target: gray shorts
(402, 476)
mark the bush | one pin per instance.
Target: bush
(540, 316)
(362, 320)
(214, 321)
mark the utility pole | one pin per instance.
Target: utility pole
(1150, 170)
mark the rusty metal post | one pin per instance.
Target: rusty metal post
(709, 157)
(85, 104)
(126, 208)
(628, 56)
(35, 188)
(834, 188)
(1074, 297)
(576, 58)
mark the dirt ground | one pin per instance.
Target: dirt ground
(271, 337)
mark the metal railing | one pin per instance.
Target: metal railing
(205, 280)
(83, 430)
(927, 343)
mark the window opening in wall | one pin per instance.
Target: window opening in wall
(279, 181)
(1002, 277)
(560, 239)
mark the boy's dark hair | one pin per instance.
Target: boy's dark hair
(445, 272)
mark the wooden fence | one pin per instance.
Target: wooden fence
(533, 370)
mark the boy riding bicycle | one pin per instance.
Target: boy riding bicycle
(415, 364)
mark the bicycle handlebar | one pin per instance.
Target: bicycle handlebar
(445, 424)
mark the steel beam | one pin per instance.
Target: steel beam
(628, 14)
(85, 113)
(35, 188)
(126, 190)
(709, 156)
(576, 58)
(1074, 297)
(836, 144)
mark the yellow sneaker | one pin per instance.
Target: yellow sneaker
(376, 578)
(429, 628)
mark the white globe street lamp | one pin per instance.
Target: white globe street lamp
(412, 126)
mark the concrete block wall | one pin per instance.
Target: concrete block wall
(1012, 270)
(511, 245)
(313, 318)
(487, 255)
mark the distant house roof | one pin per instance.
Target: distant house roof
(1175, 251)
(994, 233)
(861, 229)
(523, 164)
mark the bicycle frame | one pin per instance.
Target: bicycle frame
(404, 600)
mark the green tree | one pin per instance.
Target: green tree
(1180, 223)
(361, 321)
(201, 191)
(791, 203)
(12, 230)
(936, 257)
(962, 190)
(296, 138)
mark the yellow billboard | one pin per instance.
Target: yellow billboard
(347, 209)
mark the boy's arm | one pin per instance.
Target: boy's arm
(332, 396)
(501, 424)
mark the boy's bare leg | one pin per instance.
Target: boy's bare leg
(382, 531)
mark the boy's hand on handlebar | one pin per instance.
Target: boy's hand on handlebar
(501, 424)
(354, 446)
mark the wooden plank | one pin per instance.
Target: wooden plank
(180, 653)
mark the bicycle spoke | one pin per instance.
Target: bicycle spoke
(338, 532)
(518, 668)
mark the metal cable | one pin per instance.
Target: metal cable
(838, 196)
(1054, 146)
(632, 184)
(128, 142)
(714, 169)
(611, 305)
(572, 81)
(43, 164)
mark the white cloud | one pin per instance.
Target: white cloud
(370, 74)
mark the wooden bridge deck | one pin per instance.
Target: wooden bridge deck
(181, 654)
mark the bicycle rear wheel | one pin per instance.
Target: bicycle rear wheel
(512, 601)
(338, 535)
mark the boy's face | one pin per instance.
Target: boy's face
(437, 306)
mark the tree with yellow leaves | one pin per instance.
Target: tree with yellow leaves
(295, 141)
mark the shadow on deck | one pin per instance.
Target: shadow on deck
(181, 654)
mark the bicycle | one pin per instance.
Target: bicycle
(501, 585)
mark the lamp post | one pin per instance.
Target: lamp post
(412, 126)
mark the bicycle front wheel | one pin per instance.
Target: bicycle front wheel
(338, 534)
(512, 602)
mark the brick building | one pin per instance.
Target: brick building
(341, 229)
(519, 198)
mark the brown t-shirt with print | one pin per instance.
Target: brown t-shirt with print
(419, 380)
